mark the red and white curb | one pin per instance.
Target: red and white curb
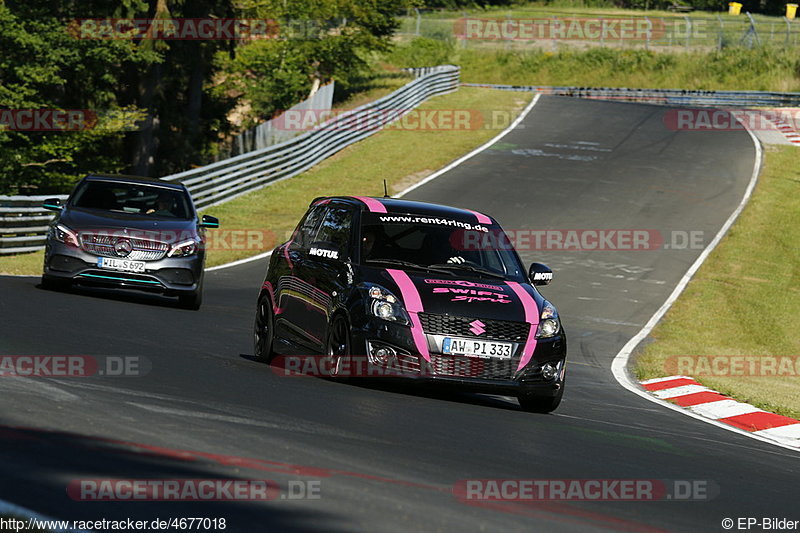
(691, 395)
(784, 127)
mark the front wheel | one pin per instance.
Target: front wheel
(541, 404)
(338, 347)
(53, 284)
(263, 333)
(194, 299)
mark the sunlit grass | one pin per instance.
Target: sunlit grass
(745, 300)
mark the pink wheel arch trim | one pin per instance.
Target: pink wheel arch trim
(372, 204)
(413, 305)
(531, 317)
(482, 219)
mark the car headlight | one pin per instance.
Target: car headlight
(549, 323)
(61, 233)
(385, 305)
(184, 249)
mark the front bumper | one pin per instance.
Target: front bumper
(170, 276)
(493, 376)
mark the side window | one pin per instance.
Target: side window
(335, 228)
(308, 227)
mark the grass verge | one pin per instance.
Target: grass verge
(744, 301)
(254, 223)
(757, 69)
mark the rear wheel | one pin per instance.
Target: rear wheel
(263, 333)
(541, 404)
(338, 349)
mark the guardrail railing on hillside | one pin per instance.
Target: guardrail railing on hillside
(23, 222)
(662, 96)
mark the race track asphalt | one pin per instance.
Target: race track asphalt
(386, 457)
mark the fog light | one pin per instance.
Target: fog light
(549, 371)
(381, 354)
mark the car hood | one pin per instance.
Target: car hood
(161, 229)
(458, 295)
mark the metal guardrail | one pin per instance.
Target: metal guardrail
(23, 222)
(662, 96)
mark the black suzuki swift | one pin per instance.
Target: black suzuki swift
(428, 291)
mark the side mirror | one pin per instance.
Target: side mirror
(209, 222)
(53, 204)
(326, 250)
(540, 274)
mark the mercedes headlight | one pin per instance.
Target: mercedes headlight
(184, 249)
(61, 233)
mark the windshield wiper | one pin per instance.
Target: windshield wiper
(471, 268)
(408, 264)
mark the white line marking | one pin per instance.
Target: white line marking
(620, 363)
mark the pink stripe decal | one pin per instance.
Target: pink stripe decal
(482, 219)
(372, 204)
(531, 317)
(413, 305)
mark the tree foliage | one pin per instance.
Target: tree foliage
(173, 96)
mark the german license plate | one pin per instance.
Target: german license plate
(124, 265)
(475, 348)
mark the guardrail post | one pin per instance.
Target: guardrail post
(419, 20)
(649, 33)
(721, 32)
(688, 31)
(788, 29)
(602, 32)
(670, 32)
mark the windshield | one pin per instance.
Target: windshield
(133, 198)
(441, 244)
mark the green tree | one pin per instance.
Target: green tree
(317, 41)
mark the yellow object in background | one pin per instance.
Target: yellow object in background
(734, 8)
(791, 11)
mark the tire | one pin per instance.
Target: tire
(541, 404)
(54, 284)
(263, 331)
(193, 300)
(338, 347)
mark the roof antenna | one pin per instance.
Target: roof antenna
(385, 190)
